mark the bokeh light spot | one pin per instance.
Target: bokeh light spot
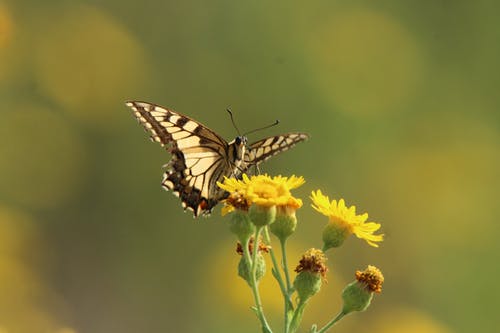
(8, 60)
(6, 26)
(27, 303)
(365, 61)
(396, 320)
(89, 63)
(42, 157)
(451, 174)
(16, 230)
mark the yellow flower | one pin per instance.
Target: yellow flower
(262, 190)
(344, 219)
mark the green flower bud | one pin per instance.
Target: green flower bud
(334, 235)
(285, 223)
(311, 272)
(307, 284)
(357, 295)
(240, 225)
(262, 215)
(245, 269)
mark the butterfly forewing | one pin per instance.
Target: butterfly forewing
(170, 127)
(266, 148)
(200, 157)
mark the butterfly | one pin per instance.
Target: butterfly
(201, 157)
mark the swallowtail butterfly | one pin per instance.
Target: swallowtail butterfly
(200, 157)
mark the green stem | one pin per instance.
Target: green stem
(288, 302)
(285, 264)
(255, 250)
(253, 282)
(332, 322)
(277, 273)
(297, 316)
(285, 290)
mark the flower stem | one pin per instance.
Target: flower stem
(253, 281)
(297, 316)
(285, 290)
(332, 322)
(285, 264)
(276, 271)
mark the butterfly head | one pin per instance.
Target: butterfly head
(241, 141)
(237, 148)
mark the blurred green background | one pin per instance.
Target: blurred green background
(400, 99)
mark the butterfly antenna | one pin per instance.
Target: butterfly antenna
(232, 120)
(262, 128)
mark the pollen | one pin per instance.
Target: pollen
(238, 201)
(372, 278)
(314, 261)
(262, 247)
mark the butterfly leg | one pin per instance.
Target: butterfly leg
(257, 169)
(239, 173)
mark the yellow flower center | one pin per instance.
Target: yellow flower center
(341, 223)
(266, 189)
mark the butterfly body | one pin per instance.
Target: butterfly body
(200, 157)
(236, 151)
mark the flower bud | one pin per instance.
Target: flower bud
(245, 269)
(355, 297)
(334, 235)
(244, 266)
(358, 295)
(307, 284)
(262, 215)
(285, 222)
(311, 272)
(240, 225)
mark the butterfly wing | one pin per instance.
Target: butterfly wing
(199, 155)
(266, 148)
